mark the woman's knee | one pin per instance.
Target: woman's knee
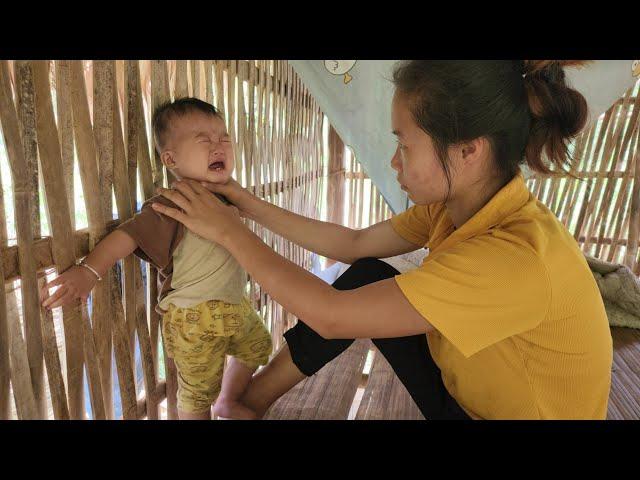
(364, 271)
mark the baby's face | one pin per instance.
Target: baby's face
(198, 147)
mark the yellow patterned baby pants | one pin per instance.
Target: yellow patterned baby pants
(199, 337)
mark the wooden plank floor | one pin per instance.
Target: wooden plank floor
(624, 400)
(328, 394)
(385, 398)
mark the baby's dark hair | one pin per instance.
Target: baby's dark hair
(165, 113)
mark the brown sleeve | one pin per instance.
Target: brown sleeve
(157, 235)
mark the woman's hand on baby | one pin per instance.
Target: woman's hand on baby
(235, 193)
(75, 283)
(201, 211)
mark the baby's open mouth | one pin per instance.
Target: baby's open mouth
(216, 166)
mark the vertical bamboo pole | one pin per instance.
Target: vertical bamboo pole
(65, 131)
(134, 111)
(208, 65)
(5, 372)
(103, 95)
(132, 91)
(62, 242)
(54, 370)
(219, 94)
(23, 196)
(160, 94)
(96, 338)
(182, 87)
(27, 117)
(24, 182)
(124, 333)
(12, 345)
(93, 367)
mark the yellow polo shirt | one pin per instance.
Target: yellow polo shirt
(522, 331)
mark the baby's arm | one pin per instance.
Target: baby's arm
(77, 281)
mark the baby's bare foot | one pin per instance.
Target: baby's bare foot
(227, 409)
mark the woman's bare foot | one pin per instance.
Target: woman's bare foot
(234, 410)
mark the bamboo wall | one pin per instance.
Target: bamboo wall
(601, 207)
(82, 130)
(75, 129)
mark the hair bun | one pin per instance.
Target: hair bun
(535, 66)
(558, 112)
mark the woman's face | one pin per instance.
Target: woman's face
(420, 172)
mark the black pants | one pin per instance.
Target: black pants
(408, 356)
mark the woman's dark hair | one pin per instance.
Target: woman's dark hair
(522, 107)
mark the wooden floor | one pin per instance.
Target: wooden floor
(624, 399)
(341, 387)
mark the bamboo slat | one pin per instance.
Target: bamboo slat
(12, 345)
(93, 367)
(54, 370)
(125, 212)
(96, 338)
(123, 359)
(27, 118)
(103, 95)
(62, 233)
(182, 87)
(26, 407)
(65, 131)
(132, 72)
(5, 370)
(159, 95)
(138, 136)
(208, 80)
(631, 257)
(23, 195)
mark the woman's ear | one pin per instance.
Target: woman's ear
(168, 159)
(474, 150)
